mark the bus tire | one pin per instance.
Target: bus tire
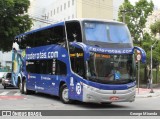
(26, 91)
(18, 83)
(21, 87)
(64, 94)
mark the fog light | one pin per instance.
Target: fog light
(89, 96)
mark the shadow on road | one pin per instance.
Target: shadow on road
(81, 104)
(88, 106)
(8, 88)
(100, 106)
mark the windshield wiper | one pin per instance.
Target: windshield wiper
(97, 45)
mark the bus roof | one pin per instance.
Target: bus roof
(62, 23)
(40, 29)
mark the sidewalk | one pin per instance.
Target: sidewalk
(144, 92)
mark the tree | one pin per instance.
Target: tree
(13, 21)
(155, 28)
(136, 17)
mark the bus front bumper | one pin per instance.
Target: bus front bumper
(95, 95)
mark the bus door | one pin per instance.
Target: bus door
(78, 67)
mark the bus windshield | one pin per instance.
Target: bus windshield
(111, 69)
(106, 32)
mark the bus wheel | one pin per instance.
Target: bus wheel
(25, 87)
(64, 94)
(21, 87)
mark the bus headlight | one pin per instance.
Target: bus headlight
(90, 87)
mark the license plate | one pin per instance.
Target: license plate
(114, 98)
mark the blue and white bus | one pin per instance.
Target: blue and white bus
(85, 59)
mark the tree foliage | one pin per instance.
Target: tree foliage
(146, 45)
(135, 17)
(13, 21)
(155, 28)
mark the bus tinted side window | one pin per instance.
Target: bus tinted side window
(57, 35)
(74, 31)
(61, 68)
(30, 66)
(54, 35)
(46, 67)
(39, 66)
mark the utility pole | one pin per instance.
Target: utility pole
(124, 14)
(45, 16)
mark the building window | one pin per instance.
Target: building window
(48, 16)
(57, 10)
(54, 11)
(61, 7)
(51, 13)
(72, 2)
(68, 3)
(64, 6)
(45, 16)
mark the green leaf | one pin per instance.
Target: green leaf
(13, 21)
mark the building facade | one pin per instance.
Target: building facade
(5, 59)
(69, 9)
(60, 10)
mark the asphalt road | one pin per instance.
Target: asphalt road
(12, 99)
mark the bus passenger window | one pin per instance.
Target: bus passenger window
(74, 31)
(61, 68)
(39, 66)
(53, 35)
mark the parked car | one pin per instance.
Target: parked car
(1, 75)
(6, 80)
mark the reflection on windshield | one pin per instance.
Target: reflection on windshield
(107, 32)
(111, 68)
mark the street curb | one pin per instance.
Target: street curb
(156, 94)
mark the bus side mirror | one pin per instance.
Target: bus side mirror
(142, 53)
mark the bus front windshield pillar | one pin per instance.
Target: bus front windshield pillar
(77, 60)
